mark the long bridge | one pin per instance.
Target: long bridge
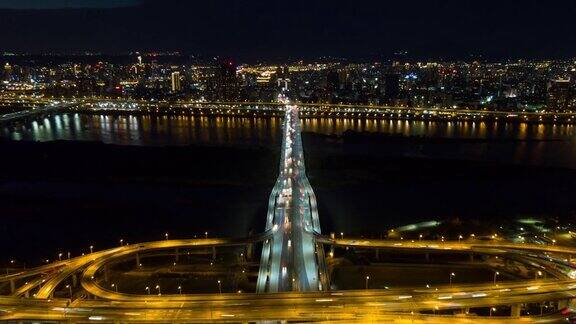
(293, 282)
(292, 260)
(35, 111)
(307, 110)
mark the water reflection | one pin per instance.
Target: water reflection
(520, 143)
(149, 130)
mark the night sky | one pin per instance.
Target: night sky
(268, 29)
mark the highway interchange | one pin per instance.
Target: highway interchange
(399, 303)
(292, 240)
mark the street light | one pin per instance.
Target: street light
(121, 242)
(166, 236)
(538, 274)
(452, 275)
(159, 290)
(206, 235)
(495, 275)
(420, 237)
(220, 286)
(367, 279)
(69, 290)
(148, 290)
(115, 287)
(459, 238)
(492, 309)
(341, 235)
(180, 290)
(91, 248)
(59, 256)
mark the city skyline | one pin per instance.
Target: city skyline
(288, 161)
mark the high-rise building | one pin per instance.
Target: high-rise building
(7, 72)
(559, 94)
(176, 87)
(227, 85)
(332, 81)
(391, 86)
(283, 77)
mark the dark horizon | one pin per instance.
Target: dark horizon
(362, 29)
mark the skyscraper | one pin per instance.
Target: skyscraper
(227, 86)
(559, 94)
(283, 77)
(7, 72)
(176, 87)
(391, 87)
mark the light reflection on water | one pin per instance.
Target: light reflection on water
(524, 143)
(149, 130)
(468, 130)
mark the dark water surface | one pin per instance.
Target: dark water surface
(533, 144)
(188, 175)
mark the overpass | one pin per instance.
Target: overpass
(46, 109)
(394, 304)
(292, 281)
(292, 260)
(307, 110)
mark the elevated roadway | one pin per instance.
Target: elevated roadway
(291, 259)
(293, 281)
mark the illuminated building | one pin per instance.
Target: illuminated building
(7, 72)
(559, 94)
(176, 87)
(227, 85)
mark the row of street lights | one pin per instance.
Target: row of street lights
(421, 236)
(91, 247)
(159, 289)
(452, 275)
(166, 235)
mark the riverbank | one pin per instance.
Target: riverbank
(88, 193)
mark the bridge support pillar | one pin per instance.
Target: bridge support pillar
(176, 254)
(427, 257)
(12, 286)
(106, 273)
(249, 251)
(565, 303)
(213, 253)
(516, 310)
(471, 257)
(137, 261)
(377, 254)
(332, 247)
(74, 280)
